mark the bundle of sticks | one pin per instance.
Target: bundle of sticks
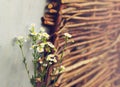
(93, 59)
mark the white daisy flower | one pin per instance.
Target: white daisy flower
(42, 45)
(33, 33)
(50, 63)
(33, 46)
(40, 49)
(45, 35)
(40, 60)
(52, 58)
(58, 70)
(42, 29)
(51, 55)
(33, 25)
(62, 69)
(50, 44)
(67, 35)
(25, 40)
(20, 38)
(45, 65)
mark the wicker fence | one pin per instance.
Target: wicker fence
(93, 59)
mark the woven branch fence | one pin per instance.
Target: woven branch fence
(93, 60)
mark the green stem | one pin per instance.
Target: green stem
(25, 63)
(35, 64)
(61, 58)
(34, 61)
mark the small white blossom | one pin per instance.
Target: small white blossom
(33, 33)
(67, 35)
(58, 70)
(32, 28)
(42, 45)
(42, 29)
(54, 60)
(45, 65)
(33, 46)
(39, 38)
(50, 44)
(40, 49)
(50, 63)
(40, 34)
(20, 40)
(40, 60)
(33, 25)
(51, 58)
(45, 35)
(62, 69)
(25, 40)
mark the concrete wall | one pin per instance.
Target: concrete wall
(15, 16)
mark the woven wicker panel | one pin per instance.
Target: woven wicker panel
(93, 59)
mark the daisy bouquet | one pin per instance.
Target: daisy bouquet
(43, 56)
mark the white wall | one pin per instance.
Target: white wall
(15, 16)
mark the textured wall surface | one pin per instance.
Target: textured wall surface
(15, 16)
(93, 60)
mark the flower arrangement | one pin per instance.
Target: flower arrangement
(44, 56)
